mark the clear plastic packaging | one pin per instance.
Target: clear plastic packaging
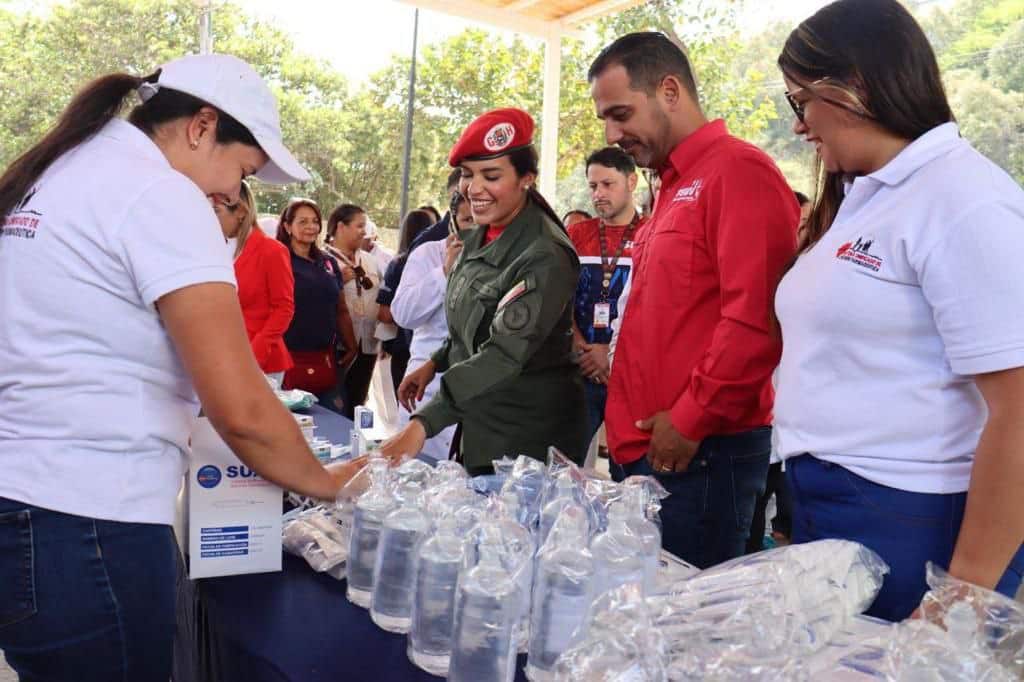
(370, 511)
(441, 559)
(394, 572)
(965, 633)
(564, 495)
(757, 615)
(486, 613)
(527, 482)
(563, 589)
(620, 644)
(619, 554)
(314, 536)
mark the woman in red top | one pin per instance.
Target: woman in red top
(266, 286)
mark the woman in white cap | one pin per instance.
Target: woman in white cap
(118, 303)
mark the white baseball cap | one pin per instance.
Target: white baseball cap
(235, 88)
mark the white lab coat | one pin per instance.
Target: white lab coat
(419, 305)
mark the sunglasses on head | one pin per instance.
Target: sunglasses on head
(856, 106)
(362, 280)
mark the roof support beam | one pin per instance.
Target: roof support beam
(549, 117)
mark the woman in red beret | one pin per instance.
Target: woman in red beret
(509, 379)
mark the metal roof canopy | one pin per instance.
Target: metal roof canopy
(550, 20)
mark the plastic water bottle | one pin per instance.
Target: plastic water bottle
(394, 573)
(563, 496)
(618, 553)
(371, 509)
(486, 612)
(520, 548)
(562, 592)
(645, 529)
(440, 560)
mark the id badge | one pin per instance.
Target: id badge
(602, 315)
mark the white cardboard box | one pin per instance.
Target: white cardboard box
(234, 516)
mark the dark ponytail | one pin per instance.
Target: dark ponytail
(95, 106)
(91, 109)
(525, 161)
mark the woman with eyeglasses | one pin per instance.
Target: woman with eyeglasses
(321, 316)
(900, 405)
(362, 274)
(266, 286)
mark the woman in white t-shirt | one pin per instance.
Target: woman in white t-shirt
(362, 274)
(900, 404)
(118, 306)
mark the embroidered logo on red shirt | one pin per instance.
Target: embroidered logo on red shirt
(690, 193)
(858, 253)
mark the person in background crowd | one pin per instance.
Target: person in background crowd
(435, 215)
(575, 216)
(361, 274)
(440, 230)
(900, 410)
(805, 214)
(605, 248)
(418, 305)
(397, 349)
(507, 362)
(371, 244)
(98, 384)
(690, 400)
(775, 485)
(266, 287)
(321, 318)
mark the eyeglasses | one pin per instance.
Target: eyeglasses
(856, 106)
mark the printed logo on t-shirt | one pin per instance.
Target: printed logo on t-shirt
(858, 253)
(22, 221)
(690, 193)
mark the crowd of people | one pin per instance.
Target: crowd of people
(857, 355)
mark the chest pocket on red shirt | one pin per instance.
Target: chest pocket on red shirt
(669, 254)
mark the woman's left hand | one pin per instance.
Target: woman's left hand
(408, 442)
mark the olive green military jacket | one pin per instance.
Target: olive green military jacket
(507, 362)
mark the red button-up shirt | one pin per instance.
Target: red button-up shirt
(698, 338)
(266, 292)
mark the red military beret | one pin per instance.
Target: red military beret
(493, 134)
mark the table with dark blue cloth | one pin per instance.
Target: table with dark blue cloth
(294, 626)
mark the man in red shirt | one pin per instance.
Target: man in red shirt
(604, 245)
(690, 399)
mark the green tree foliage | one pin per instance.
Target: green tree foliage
(352, 138)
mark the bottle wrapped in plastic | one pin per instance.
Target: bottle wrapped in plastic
(413, 471)
(520, 549)
(965, 633)
(486, 613)
(752, 616)
(563, 589)
(370, 511)
(527, 482)
(564, 495)
(441, 559)
(394, 573)
(620, 556)
(620, 642)
(649, 533)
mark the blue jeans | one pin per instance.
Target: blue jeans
(596, 397)
(906, 529)
(706, 517)
(85, 600)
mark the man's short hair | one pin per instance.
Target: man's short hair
(453, 179)
(647, 57)
(613, 157)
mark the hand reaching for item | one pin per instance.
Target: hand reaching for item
(413, 386)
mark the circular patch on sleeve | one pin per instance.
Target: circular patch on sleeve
(516, 316)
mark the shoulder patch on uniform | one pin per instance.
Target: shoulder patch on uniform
(516, 316)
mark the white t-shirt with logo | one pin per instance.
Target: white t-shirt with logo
(915, 288)
(95, 406)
